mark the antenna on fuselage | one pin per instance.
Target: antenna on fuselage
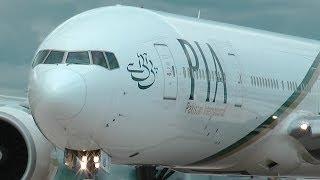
(199, 13)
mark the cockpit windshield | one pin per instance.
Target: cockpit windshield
(78, 58)
(40, 57)
(101, 58)
(113, 63)
(54, 57)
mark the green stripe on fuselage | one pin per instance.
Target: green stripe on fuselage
(283, 111)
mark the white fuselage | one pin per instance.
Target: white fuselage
(188, 93)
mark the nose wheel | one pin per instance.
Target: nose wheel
(153, 173)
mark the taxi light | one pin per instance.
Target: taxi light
(84, 159)
(96, 159)
(97, 165)
(304, 126)
(83, 165)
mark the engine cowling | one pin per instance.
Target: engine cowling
(24, 151)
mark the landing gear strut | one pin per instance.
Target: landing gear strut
(153, 173)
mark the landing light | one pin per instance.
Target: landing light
(83, 165)
(84, 159)
(96, 159)
(97, 165)
(274, 117)
(304, 126)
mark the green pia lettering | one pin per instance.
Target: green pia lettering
(219, 73)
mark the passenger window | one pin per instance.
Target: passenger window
(259, 82)
(273, 84)
(54, 57)
(40, 57)
(113, 63)
(78, 58)
(98, 59)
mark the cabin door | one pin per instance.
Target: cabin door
(169, 71)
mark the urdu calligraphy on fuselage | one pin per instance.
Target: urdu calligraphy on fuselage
(143, 71)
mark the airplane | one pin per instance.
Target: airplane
(149, 88)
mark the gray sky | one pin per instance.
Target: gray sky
(24, 24)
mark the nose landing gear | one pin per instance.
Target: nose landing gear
(153, 173)
(88, 163)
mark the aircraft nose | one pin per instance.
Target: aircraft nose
(57, 93)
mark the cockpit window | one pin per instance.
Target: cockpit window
(102, 58)
(113, 63)
(78, 58)
(54, 57)
(98, 59)
(40, 57)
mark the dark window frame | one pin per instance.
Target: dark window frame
(37, 55)
(51, 51)
(69, 52)
(93, 61)
(108, 61)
